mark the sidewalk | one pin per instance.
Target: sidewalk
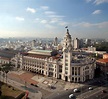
(44, 82)
(32, 93)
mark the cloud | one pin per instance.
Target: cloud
(63, 23)
(49, 12)
(88, 25)
(49, 26)
(11, 33)
(56, 16)
(97, 12)
(19, 18)
(54, 20)
(43, 21)
(97, 2)
(37, 19)
(44, 7)
(83, 24)
(30, 10)
(103, 25)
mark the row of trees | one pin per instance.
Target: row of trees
(103, 46)
(5, 68)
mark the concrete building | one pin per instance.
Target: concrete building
(103, 64)
(33, 43)
(88, 42)
(76, 43)
(6, 56)
(92, 49)
(55, 41)
(65, 66)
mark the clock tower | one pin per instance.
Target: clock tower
(67, 57)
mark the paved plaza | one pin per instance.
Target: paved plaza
(43, 81)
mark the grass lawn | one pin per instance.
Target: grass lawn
(8, 92)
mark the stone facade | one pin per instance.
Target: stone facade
(65, 66)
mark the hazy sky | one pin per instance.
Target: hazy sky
(48, 18)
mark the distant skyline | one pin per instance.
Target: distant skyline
(48, 18)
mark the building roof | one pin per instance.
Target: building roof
(8, 53)
(37, 55)
(41, 56)
(40, 52)
(103, 60)
(105, 54)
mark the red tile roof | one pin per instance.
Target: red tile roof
(103, 60)
(5, 58)
(37, 56)
(105, 54)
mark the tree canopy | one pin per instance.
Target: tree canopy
(102, 46)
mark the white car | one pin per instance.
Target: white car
(71, 96)
(90, 88)
(75, 90)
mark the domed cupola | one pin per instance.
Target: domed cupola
(67, 45)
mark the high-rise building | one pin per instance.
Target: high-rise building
(76, 43)
(55, 41)
(33, 43)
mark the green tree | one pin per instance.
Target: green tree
(103, 46)
(6, 68)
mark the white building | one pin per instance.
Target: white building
(33, 43)
(76, 43)
(91, 48)
(68, 67)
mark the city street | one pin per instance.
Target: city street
(84, 93)
(33, 92)
(42, 91)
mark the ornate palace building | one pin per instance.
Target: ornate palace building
(65, 66)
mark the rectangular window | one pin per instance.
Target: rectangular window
(66, 68)
(66, 72)
(72, 70)
(55, 75)
(79, 71)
